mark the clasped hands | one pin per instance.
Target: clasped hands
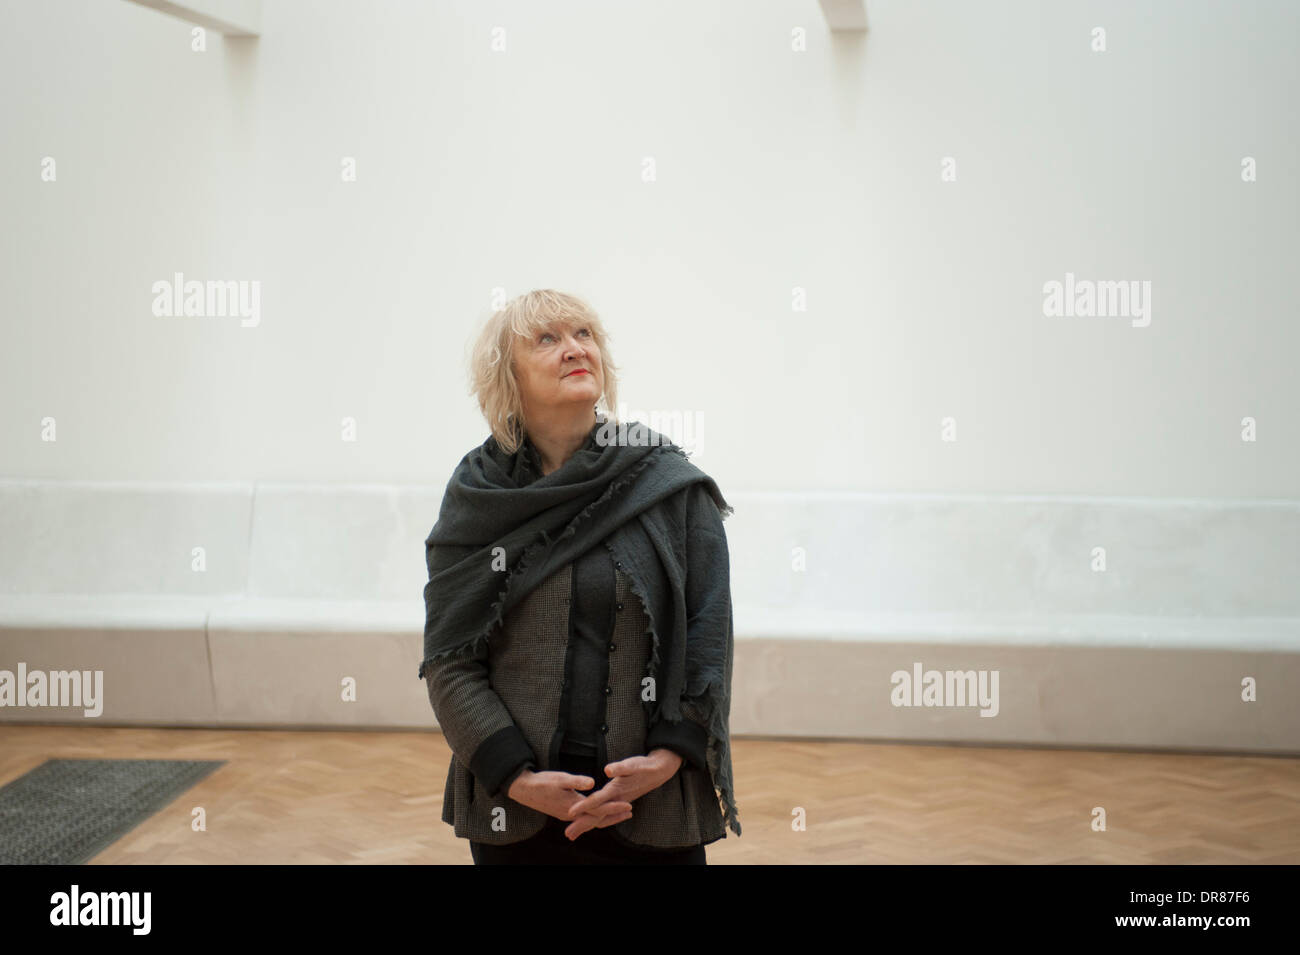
(560, 794)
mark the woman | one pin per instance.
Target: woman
(578, 627)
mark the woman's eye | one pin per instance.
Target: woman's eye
(546, 335)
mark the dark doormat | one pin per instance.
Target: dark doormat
(66, 811)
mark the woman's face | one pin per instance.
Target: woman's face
(560, 367)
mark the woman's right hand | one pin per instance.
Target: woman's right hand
(556, 793)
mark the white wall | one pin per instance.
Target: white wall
(818, 169)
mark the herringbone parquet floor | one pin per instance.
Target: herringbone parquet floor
(376, 797)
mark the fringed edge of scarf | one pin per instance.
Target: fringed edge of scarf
(480, 642)
(718, 729)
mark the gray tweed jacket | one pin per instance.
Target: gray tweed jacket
(480, 698)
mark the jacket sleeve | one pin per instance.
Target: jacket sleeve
(708, 606)
(478, 727)
(688, 739)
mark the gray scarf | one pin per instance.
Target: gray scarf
(619, 487)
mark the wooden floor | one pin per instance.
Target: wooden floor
(349, 797)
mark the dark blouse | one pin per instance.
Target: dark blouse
(591, 622)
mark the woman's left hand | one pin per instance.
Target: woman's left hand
(630, 779)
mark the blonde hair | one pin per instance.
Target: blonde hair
(492, 378)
